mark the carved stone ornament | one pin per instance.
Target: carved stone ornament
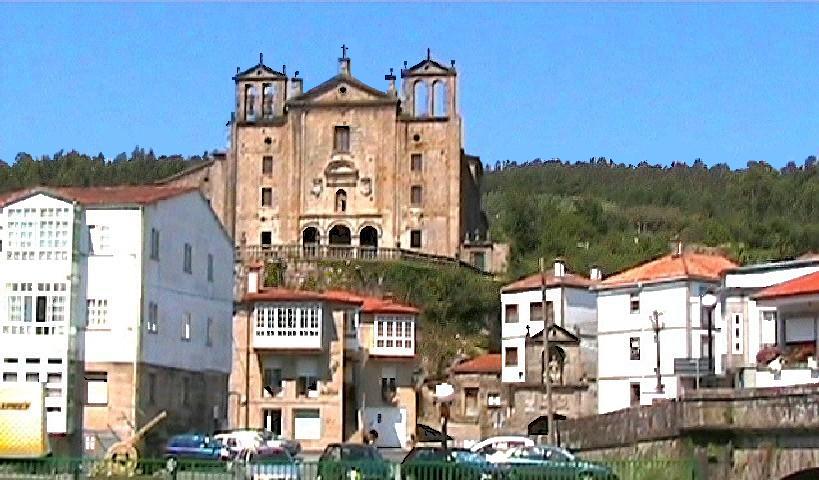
(366, 186)
(317, 187)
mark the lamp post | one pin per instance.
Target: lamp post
(657, 326)
(444, 394)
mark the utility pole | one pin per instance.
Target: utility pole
(656, 326)
(547, 379)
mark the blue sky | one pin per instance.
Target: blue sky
(727, 83)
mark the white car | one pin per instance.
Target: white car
(267, 463)
(496, 449)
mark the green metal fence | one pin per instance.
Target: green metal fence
(89, 469)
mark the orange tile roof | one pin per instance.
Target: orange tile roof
(368, 304)
(117, 195)
(533, 282)
(805, 285)
(372, 304)
(489, 363)
(689, 265)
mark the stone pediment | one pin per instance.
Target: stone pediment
(341, 172)
(260, 72)
(558, 335)
(342, 89)
(429, 67)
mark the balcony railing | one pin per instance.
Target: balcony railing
(314, 252)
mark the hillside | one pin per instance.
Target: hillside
(618, 215)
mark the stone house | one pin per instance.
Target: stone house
(324, 367)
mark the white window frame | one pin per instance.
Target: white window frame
(96, 313)
(96, 394)
(153, 317)
(737, 333)
(394, 333)
(288, 320)
(493, 399)
(187, 327)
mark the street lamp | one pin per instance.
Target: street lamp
(709, 301)
(444, 394)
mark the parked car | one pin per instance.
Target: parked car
(496, 448)
(546, 462)
(293, 447)
(435, 463)
(194, 447)
(352, 461)
(267, 463)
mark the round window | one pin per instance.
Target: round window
(342, 90)
(416, 137)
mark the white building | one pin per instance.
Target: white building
(569, 304)
(770, 307)
(145, 276)
(670, 289)
(751, 327)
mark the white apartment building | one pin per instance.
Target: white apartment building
(768, 306)
(569, 304)
(148, 307)
(666, 293)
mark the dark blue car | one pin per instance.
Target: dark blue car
(194, 447)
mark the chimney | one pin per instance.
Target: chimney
(344, 65)
(253, 278)
(676, 248)
(560, 267)
(595, 274)
(296, 86)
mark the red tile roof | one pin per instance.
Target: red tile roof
(533, 282)
(805, 285)
(489, 363)
(118, 195)
(368, 304)
(373, 304)
(689, 265)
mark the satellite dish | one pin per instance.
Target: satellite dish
(709, 300)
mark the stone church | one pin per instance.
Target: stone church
(346, 170)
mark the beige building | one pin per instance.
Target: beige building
(323, 367)
(348, 170)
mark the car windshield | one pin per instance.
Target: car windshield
(357, 453)
(271, 456)
(543, 453)
(467, 457)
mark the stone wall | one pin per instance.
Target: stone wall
(733, 434)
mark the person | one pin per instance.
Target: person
(372, 437)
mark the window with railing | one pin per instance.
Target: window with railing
(393, 332)
(288, 321)
(38, 233)
(36, 309)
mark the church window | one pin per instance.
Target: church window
(268, 94)
(416, 196)
(415, 238)
(267, 197)
(267, 165)
(421, 96)
(250, 102)
(341, 139)
(341, 201)
(439, 99)
(416, 162)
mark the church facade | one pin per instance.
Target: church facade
(349, 169)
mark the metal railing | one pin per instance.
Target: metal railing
(315, 252)
(88, 469)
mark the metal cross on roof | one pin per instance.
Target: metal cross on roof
(344, 51)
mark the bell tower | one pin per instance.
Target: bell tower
(260, 93)
(430, 89)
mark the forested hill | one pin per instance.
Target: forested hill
(618, 215)
(76, 169)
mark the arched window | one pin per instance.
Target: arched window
(250, 102)
(341, 201)
(421, 96)
(268, 96)
(439, 99)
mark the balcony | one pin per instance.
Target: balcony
(287, 328)
(394, 337)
